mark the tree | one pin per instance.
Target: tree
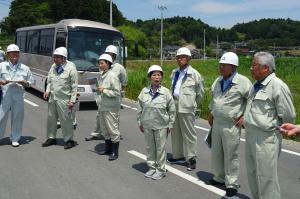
(36, 12)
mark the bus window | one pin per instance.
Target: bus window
(85, 45)
(46, 42)
(21, 40)
(33, 41)
(60, 40)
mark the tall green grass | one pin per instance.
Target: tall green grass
(287, 69)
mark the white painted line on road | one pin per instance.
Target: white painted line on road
(185, 176)
(206, 129)
(31, 103)
(129, 107)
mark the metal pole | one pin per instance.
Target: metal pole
(161, 8)
(110, 12)
(217, 50)
(204, 46)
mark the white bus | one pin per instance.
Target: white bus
(85, 41)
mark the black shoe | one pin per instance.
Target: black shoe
(176, 160)
(49, 142)
(191, 164)
(231, 192)
(91, 137)
(115, 152)
(70, 144)
(108, 148)
(214, 183)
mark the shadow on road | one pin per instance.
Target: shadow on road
(204, 176)
(141, 167)
(99, 147)
(23, 140)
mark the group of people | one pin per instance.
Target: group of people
(264, 109)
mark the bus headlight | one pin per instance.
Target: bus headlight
(81, 89)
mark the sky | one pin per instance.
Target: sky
(217, 13)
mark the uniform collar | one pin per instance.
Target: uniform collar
(268, 79)
(147, 90)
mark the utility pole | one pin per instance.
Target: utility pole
(110, 12)
(217, 50)
(204, 54)
(161, 8)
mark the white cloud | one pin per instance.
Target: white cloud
(221, 7)
(166, 2)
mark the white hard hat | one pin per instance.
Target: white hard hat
(12, 48)
(61, 51)
(184, 51)
(154, 68)
(229, 58)
(111, 49)
(106, 57)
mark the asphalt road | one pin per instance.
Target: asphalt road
(33, 172)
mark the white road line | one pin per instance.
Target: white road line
(129, 107)
(31, 103)
(185, 176)
(205, 129)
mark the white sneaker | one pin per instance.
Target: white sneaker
(15, 144)
(158, 175)
(149, 173)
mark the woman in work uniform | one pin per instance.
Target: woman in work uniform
(156, 115)
(109, 106)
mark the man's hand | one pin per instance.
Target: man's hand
(70, 105)
(3, 82)
(289, 129)
(24, 83)
(239, 122)
(46, 95)
(141, 129)
(100, 89)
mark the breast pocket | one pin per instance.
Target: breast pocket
(160, 103)
(261, 104)
(64, 78)
(188, 88)
(22, 75)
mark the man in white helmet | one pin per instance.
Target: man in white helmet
(229, 96)
(121, 73)
(187, 91)
(269, 105)
(61, 91)
(14, 77)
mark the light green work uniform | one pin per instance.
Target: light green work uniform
(13, 97)
(184, 138)
(226, 107)
(62, 89)
(109, 105)
(267, 108)
(121, 73)
(156, 115)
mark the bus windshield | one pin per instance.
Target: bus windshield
(85, 45)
